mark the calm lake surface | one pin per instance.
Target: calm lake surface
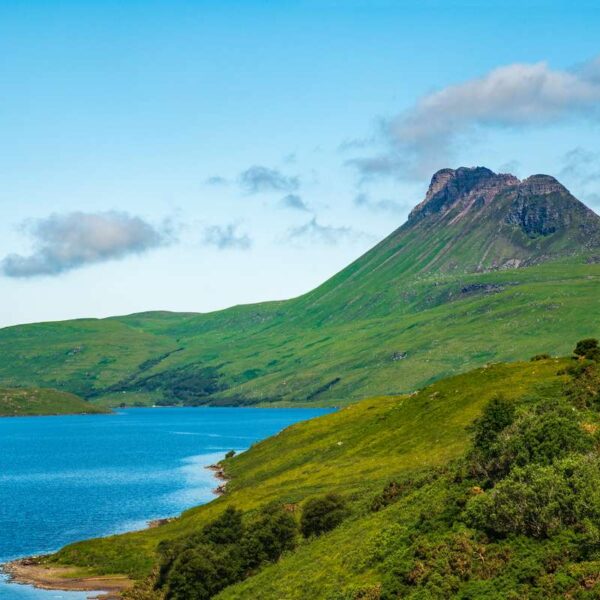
(64, 479)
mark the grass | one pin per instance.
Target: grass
(39, 401)
(433, 292)
(291, 353)
(354, 451)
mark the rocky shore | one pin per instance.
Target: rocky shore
(32, 571)
(219, 473)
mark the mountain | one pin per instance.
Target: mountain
(486, 268)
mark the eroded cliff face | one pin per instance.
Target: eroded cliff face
(461, 190)
(538, 206)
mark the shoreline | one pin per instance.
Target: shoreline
(30, 570)
(219, 473)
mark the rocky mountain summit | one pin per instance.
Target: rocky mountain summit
(524, 221)
(462, 188)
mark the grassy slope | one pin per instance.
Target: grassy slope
(288, 351)
(381, 438)
(15, 402)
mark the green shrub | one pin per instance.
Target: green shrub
(588, 348)
(583, 390)
(224, 552)
(497, 415)
(226, 529)
(322, 514)
(542, 437)
(539, 501)
(199, 573)
(268, 537)
(539, 436)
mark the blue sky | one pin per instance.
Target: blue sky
(195, 155)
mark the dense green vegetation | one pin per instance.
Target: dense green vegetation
(483, 485)
(15, 402)
(439, 296)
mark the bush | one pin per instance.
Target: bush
(224, 552)
(322, 514)
(539, 501)
(199, 573)
(588, 348)
(538, 437)
(497, 415)
(230, 454)
(226, 529)
(542, 437)
(268, 537)
(584, 387)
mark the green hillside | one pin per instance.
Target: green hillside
(486, 269)
(16, 402)
(418, 482)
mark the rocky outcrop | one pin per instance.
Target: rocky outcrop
(539, 206)
(541, 185)
(461, 190)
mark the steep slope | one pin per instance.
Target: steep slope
(486, 268)
(471, 221)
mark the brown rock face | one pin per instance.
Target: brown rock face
(461, 189)
(539, 206)
(541, 185)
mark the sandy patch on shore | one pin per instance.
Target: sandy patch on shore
(31, 572)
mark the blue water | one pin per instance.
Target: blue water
(64, 479)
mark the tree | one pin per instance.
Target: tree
(322, 514)
(538, 501)
(198, 574)
(226, 529)
(268, 537)
(497, 415)
(588, 348)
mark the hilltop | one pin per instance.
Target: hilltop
(487, 268)
(24, 402)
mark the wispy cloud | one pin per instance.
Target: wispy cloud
(226, 237)
(313, 231)
(216, 180)
(425, 136)
(263, 179)
(69, 241)
(384, 205)
(581, 165)
(295, 202)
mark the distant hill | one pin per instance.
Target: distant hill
(487, 268)
(38, 401)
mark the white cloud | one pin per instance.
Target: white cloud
(295, 202)
(424, 137)
(69, 241)
(315, 232)
(384, 205)
(226, 238)
(263, 179)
